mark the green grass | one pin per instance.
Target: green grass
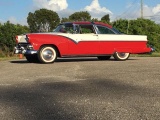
(8, 58)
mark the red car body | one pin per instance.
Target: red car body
(81, 39)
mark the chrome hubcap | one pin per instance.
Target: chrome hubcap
(122, 55)
(48, 54)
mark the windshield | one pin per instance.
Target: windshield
(64, 28)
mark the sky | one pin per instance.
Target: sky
(16, 11)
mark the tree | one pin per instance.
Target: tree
(105, 18)
(65, 20)
(95, 20)
(80, 16)
(42, 20)
(121, 25)
(8, 31)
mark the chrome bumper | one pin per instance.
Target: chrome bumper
(152, 49)
(22, 50)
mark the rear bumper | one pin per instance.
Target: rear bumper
(152, 49)
(148, 50)
(142, 51)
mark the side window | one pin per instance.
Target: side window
(104, 30)
(57, 29)
(85, 29)
(76, 29)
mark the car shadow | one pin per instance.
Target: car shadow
(84, 59)
(21, 61)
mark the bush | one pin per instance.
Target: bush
(8, 31)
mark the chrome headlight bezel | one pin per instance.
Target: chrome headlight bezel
(30, 47)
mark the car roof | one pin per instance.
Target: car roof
(89, 23)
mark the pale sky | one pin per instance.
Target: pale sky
(17, 10)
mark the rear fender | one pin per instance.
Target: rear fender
(123, 50)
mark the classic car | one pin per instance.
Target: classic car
(80, 39)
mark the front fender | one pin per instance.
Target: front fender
(38, 40)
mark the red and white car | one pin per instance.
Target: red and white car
(80, 39)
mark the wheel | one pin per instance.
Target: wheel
(104, 57)
(121, 56)
(32, 58)
(47, 54)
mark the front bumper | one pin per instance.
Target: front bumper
(24, 50)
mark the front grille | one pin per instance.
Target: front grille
(23, 45)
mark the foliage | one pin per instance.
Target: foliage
(86, 30)
(8, 31)
(80, 16)
(95, 20)
(105, 19)
(43, 20)
(65, 20)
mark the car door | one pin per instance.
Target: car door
(84, 41)
(105, 35)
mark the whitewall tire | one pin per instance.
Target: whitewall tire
(121, 56)
(47, 54)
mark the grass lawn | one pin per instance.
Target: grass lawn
(9, 58)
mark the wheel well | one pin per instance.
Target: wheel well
(51, 45)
